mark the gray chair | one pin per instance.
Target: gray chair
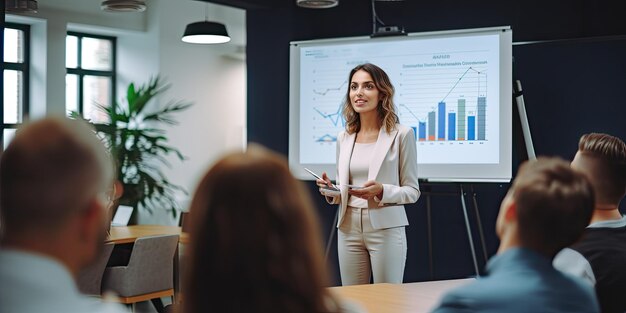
(185, 223)
(149, 274)
(89, 280)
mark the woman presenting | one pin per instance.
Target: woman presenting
(378, 154)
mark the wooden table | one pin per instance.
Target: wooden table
(399, 298)
(128, 234)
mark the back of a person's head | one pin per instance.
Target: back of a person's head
(255, 236)
(49, 171)
(554, 204)
(602, 158)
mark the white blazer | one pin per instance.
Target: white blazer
(393, 164)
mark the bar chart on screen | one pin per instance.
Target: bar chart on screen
(447, 107)
(454, 118)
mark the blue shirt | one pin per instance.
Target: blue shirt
(521, 280)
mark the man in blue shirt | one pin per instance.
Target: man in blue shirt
(545, 210)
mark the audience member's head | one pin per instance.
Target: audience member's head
(255, 236)
(602, 158)
(53, 178)
(547, 207)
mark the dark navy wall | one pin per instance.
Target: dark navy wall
(2, 78)
(571, 87)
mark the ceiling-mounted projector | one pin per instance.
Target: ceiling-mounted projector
(317, 4)
(123, 5)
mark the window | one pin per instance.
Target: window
(15, 71)
(90, 78)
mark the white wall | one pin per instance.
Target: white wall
(206, 76)
(148, 44)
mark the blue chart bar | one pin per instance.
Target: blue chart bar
(441, 134)
(414, 131)
(482, 114)
(471, 127)
(422, 131)
(451, 126)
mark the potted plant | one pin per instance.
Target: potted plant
(139, 146)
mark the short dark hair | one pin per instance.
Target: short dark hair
(255, 234)
(554, 204)
(605, 158)
(50, 170)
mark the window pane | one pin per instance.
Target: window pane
(96, 54)
(71, 51)
(8, 133)
(13, 91)
(71, 93)
(96, 91)
(13, 45)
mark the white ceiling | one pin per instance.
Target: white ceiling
(80, 13)
(79, 6)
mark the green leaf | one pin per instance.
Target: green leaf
(131, 96)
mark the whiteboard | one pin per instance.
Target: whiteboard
(453, 88)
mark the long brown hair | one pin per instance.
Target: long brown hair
(387, 116)
(255, 237)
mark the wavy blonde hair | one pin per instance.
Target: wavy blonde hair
(387, 116)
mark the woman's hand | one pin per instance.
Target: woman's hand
(370, 190)
(324, 182)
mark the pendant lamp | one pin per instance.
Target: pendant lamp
(317, 4)
(206, 32)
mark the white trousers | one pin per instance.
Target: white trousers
(364, 250)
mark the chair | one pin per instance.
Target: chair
(89, 280)
(184, 224)
(184, 221)
(149, 274)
